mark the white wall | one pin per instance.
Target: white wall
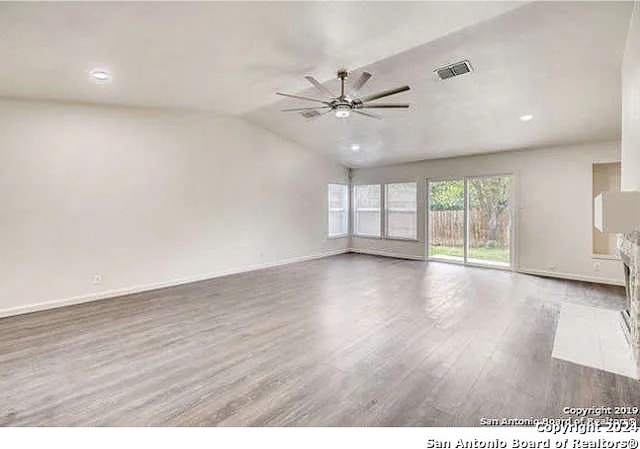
(631, 105)
(147, 198)
(554, 215)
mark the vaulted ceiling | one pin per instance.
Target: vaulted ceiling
(558, 61)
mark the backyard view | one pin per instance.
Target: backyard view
(497, 254)
(488, 228)
(446, 219)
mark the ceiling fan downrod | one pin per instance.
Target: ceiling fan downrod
(342, 75)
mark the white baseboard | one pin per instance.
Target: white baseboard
(148, 287)
(571, 276)
(155, 286)
(554, 274)
(375, 252)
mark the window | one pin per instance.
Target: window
(338, 210)
(367, 203)
(401, 210)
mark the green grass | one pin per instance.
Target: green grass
(455, 251)
(496, 254)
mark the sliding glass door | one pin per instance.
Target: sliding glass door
(470, 220)
(489, 220)
(446, 219)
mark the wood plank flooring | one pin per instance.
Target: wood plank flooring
(350, 340)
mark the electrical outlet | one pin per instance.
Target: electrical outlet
(97, 279)
(596, 266)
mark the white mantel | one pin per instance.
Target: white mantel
(617, 212)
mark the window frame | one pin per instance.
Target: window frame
(347, 208)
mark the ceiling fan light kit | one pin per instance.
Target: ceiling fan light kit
(342, 111)
(344, 104)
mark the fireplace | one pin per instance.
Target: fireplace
(629, 246)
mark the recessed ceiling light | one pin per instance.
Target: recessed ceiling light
(100, 75)
(526, 117)
(355, 147)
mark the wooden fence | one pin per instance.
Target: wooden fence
(446, 228)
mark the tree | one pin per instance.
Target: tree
(488, 195)
(446, 195)
(491, 197)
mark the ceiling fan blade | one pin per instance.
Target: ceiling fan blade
(367, 114)
(303, 98)
(320, 87)
(305, 109)
(361, 81)
(385, 93)
(313, 113)
(385, 105)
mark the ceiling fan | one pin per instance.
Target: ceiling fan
(344, 104)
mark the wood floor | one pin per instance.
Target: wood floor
(350, 340)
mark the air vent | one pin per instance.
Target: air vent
(459, 68)
(309, 114)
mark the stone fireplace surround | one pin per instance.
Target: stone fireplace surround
(629, 246)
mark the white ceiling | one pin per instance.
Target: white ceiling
(223, 56)
(558, 61)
